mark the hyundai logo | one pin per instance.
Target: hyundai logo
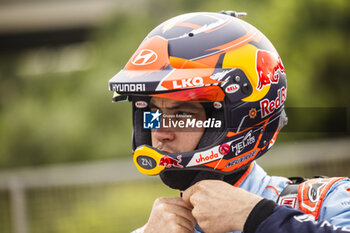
(145, 57)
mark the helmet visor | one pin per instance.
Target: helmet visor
(176, 124)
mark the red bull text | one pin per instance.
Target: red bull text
(267, 107)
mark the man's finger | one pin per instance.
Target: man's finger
(184, 213)
(186, 195)
(176, 201)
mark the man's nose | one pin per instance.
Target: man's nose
(164, 135)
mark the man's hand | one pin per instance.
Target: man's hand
(170, 215)
(219, 207)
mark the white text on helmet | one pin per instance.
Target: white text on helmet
(207, 156)
(128, 87)
(190, 82)
(267, 106)
(246, 141)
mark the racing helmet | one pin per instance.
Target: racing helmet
(227, 66)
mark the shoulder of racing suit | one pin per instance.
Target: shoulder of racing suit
(307, 195)
(320, 205)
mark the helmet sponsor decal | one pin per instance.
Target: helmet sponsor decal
(230, 89)
(205, 157)
(151, 55)
(187, 78)
(141, 104)
(146, 162)
(145, 57)
(267, 65)
(217, 105)
(246, 141)
(196, 26)
(241, 159)
(128, 87)
(167, 161)
(206, 28)
(151, 120)
(252, 113)
(224, 149)
(189, 82)
(268, 107)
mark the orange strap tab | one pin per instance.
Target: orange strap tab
(312, 192)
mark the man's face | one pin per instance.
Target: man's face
(176, 140)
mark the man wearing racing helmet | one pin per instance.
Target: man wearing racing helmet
(208, 93)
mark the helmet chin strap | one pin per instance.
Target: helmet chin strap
(182, 179)
(207, 175)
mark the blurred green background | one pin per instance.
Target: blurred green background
(55, 107)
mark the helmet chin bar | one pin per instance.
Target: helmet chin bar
(148, 160)
(243, 147)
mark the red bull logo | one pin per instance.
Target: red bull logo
(167, 161)
(268, 107)
(267, 65)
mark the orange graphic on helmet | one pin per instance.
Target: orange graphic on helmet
(151, 55)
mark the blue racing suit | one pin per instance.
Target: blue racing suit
(328, 204)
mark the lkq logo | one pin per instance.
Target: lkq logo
(190, 82)
(151, 120)
(246, 141)
(267, 106)
(144, 57)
